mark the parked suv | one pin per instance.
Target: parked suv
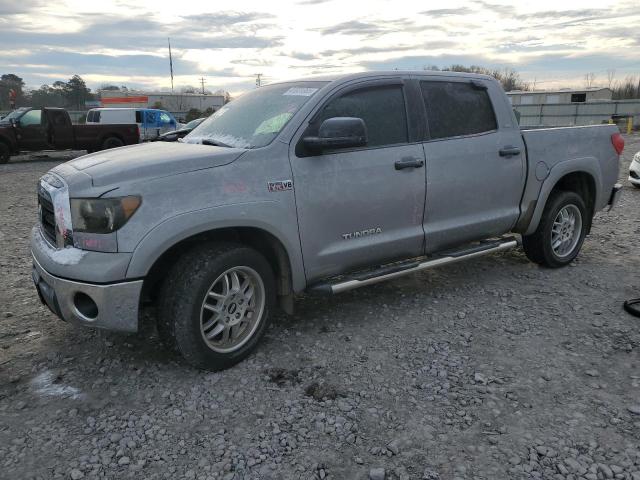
(318, 185)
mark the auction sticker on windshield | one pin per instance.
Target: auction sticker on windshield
(301, 91)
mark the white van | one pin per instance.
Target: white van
(151, 122)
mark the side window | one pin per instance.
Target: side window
(58, 119)
(150, 117)
(457, 108)
(138, 116)
(32, 117)
(165, 119)
(381, 108)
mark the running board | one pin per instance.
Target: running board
(381, 274)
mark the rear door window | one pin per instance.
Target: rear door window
(381, 108)
(456, 109)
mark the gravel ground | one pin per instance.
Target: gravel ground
(490, 369)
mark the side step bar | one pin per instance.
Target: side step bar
(398, 270)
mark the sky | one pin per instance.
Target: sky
(551, 43)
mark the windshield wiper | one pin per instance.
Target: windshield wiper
(214, 143)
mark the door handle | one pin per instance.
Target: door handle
(509, 151)
(409, 162)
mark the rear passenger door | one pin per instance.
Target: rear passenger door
(356, 207)
(475, 166)
(60, 129)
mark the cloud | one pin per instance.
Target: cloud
(446, 12)
(19, 8)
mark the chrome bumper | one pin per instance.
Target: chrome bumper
(112, 307)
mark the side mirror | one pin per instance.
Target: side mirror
(338, 132)
(14, 122)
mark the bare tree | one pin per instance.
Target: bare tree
(611, 75)
(589, 79)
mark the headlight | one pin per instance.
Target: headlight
(102, 215)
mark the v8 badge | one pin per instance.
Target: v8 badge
(280, 185)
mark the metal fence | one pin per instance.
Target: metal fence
(570, 114)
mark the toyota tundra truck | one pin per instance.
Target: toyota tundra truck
(320, 186)
(33, 129)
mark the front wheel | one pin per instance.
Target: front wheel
(561, 231)
(5, 153)
(215, 304)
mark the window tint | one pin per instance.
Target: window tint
(138, 116)
(457, 108)
(32, 117)
(150, 117)
(381, 108)
(58, 119)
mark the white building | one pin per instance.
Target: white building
(174, 102)
(564, 95)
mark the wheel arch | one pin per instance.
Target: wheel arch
(104, 137)
(156, 264)
(582, 177)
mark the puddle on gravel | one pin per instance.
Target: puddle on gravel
(47, 384)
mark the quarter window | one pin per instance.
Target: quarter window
(457, 108)
(381, 108)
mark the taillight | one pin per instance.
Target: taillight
(618, 143)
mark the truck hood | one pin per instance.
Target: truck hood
(151, 160)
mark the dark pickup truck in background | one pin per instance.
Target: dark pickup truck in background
(30, 129)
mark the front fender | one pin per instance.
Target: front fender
(261, 215)
(589, 165)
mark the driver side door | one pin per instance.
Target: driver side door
(32, 132)
(356, 207)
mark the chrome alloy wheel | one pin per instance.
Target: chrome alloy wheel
(232, 309)
(566, 230)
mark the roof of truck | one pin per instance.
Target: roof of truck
(375, 73)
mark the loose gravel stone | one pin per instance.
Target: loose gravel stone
(473, 371)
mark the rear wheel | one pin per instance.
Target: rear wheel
(215, 304)
(5, 153)
(561, 231)
(112, 142)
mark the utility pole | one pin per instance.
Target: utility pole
(258, 79)
(202, 82)
(170, 63)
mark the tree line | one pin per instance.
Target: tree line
(71, 94)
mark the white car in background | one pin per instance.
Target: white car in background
(634, 171)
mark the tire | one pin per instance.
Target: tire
(195, 287)
(636, 185)
(112, 142)
(5, 153)
(538, 246)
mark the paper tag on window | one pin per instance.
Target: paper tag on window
(301, 91)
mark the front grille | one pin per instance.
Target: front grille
(47, 215)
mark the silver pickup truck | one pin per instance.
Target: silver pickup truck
(319, 185)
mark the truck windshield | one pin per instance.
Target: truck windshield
(15, 115)
(255, 118)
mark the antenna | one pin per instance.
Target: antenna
(258, 79)
(202, 82)
(170, 63)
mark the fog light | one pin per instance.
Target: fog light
(85, 305)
